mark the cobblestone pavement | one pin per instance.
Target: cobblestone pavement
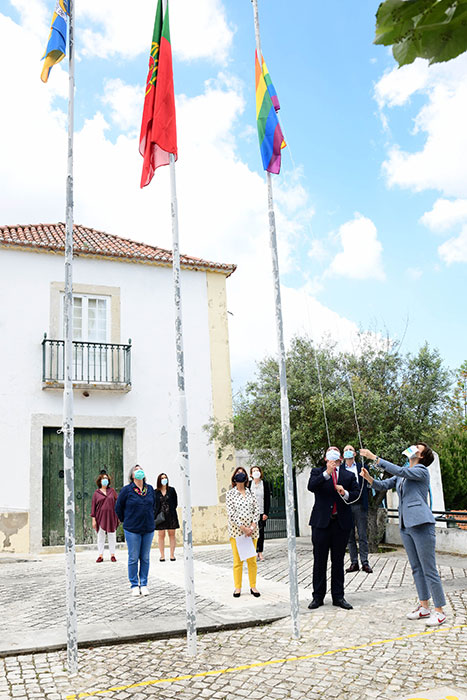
(369, 652)
(41, 582)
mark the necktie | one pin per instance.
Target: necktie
(334, 480)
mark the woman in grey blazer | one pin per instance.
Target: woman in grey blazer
(417, 526)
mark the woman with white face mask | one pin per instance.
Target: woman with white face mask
(135, 509)
(263, 496)
(417, 526)
(103, 518)
(165, 513)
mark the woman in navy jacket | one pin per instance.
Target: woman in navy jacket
(135, 509)
(417, 526)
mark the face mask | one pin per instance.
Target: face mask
(105, 482)
(332, 456)
(139, 474)
(240, 477)
(411, 451)
(256, 475)
(348, 454)
(164, 482)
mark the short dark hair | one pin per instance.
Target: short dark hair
(239, 469)
(100, 477)
(130, 475)
(427, 457)
(159, 482)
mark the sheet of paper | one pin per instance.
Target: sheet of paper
(245, 547)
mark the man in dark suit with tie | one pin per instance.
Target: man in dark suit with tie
(331, 522)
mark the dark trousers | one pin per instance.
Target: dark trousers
(261, 526)
(360, 518)
(329, 539)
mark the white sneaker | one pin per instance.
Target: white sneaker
(135, 591)
(144, 590)
(419, 613)
(435, 619)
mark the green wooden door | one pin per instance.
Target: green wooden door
(95, 449)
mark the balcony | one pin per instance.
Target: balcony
(95, 365)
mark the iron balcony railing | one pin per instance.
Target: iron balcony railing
(93, 363)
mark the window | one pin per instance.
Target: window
(91, 321)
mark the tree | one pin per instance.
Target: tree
(399, 399)
(431, 29)
(452, 444)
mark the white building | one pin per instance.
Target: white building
(125, 393)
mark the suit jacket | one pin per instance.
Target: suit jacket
(412, 485)
(172, 500)
(326, 496)
(363, 500)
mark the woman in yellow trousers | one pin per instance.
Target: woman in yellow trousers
(243, 514)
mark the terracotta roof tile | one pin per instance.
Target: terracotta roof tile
(88, 241)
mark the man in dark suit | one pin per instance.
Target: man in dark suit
(331, 522)
(360, 517)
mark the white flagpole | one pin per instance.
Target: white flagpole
(67, 428)
(285, 418)
(184, 463)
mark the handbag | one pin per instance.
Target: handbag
(160, 518)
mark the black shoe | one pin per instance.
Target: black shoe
(342, 603)
(255, 593)
(367, 568)
(352, 568)
(315, 603)
(172, 559)
(237, 595)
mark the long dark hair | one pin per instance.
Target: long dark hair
(159, 481)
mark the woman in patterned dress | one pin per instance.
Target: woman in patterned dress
(243, 514)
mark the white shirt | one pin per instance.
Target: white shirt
(258, 490)
(353, 468)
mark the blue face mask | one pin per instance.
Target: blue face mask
(105, 482)
(164, 482)
(240, 477)
(348, 454)
(139, 474)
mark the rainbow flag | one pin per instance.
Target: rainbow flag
(271, 139)
(56, 46)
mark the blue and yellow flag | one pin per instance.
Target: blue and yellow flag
(56, 46)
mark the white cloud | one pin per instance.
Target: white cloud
(399, 84)
(454, 249)
(197, 29)
(445, 214)
(126, 103)
(360, 257)
(440, 164)
(414, 273)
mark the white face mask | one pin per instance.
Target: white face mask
(411, 452)
(164, 482)
(332, 456)
(256, 475)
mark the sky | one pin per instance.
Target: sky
(371, 201)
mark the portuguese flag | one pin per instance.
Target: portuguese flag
(158, 137)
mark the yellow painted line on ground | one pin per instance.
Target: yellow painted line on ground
(259, 664)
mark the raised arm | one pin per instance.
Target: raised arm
(316, 480)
